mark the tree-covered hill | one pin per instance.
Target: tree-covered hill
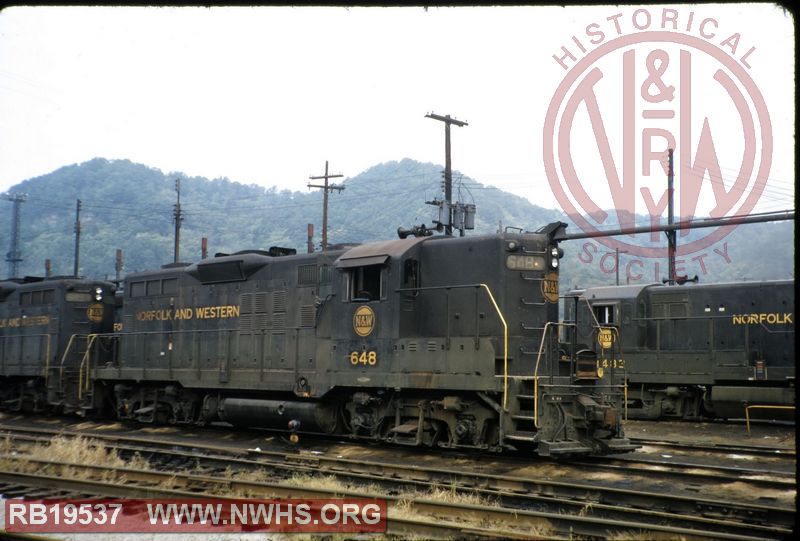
(130, 206)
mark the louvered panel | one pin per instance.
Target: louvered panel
(279, 301)
(262, 321)
(261, 302)
(246, 303)
(306, 275)
(245, 321)
(279, 321)
(325, 274)
(308, 315)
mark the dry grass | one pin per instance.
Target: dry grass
(5, 446)
(73, 450)
(741, 490)
(323, 482)
(402, 508)
(87, 451)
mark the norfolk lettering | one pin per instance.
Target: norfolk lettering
(24, 321)
(756, 319)
(200, 312)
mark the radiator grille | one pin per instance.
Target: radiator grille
(306, 275)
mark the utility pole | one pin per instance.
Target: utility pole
(326, 188)
(448, 173)
(616, 253)
(77, 260)
(118, 266)
(178, 220)
(310, 238)
(14, 255)
(204, 248)
(672, 235)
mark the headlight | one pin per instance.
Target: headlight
(554, 262)
(554, 252)
(511, 246)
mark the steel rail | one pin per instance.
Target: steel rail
(783, 479)
(627, 504)
(760, 450)
(145, 483)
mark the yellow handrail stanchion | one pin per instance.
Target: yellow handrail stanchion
(505, 346)
(747, 412)
(89, 342)
(64, 357)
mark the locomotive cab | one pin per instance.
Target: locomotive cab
(457, 331)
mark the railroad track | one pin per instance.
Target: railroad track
(580, 508)
(692, 472)
(135, 483)
(753, 450)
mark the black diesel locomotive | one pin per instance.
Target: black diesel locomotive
(40, 320)
(694, 351)
(436, 341)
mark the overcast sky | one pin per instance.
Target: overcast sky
(266, 95)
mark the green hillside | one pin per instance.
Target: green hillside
(130, 206)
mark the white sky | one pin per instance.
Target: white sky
(266, 95)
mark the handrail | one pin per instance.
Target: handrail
(536, 368)
(90, 338)
(747, 412)
(64, 358)
(499, 314)
(536, 375)
(505, 346)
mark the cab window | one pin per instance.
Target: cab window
(604, 314)
(365, 284)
